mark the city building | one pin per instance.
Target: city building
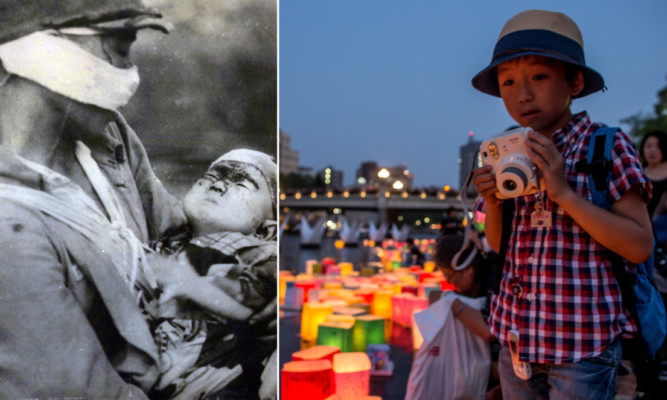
(467, 160)
(331, 177)
(371, 174)
(288, 157)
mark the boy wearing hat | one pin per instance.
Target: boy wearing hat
(558, 294)
(230, 274)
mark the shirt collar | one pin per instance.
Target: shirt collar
(572, 129)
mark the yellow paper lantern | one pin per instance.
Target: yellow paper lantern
(346, 268)
(339, 244)
(429, 266)
(312, 315)
(381, 305)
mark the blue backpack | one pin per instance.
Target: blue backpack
(640, 296)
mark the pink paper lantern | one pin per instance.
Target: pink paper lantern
(352, 374)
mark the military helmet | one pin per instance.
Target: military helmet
(21, 17)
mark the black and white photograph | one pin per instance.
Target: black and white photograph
(138, 199)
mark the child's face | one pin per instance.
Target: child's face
(232, 197)
(536, 92)
(462, 280)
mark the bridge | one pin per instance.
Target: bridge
(388, 204)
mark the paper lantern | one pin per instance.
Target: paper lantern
(316, 353)
(368, 329)
(317, 269)
(445, 286)
(293, 299)
(282, 281)
(429, 266)
(381, 305)
(381, 365)
(352, 374)
(422, 276)
(350, 311)
(414, 290)
(332, 285)
(340, 318)
(346, 268)
(365, 294)
(401, 337)
(400, 308)
(312, 315)
(405, 305)
(426, 288)
(309, 266)
(306, 380)
(339, 244)
(351, 301)
(305, 285)
(337, 334)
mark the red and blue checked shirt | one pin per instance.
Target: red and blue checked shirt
(570, 307)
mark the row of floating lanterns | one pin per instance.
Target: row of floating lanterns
(344, 315)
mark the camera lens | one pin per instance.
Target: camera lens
(509, 185)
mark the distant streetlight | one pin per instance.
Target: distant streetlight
(384, 173)
(398, 185)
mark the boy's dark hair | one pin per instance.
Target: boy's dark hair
(662, 143)
(571, 71)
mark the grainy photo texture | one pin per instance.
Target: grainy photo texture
(138, 199)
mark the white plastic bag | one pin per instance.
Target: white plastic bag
(452, 362)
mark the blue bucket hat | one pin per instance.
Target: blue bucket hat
(539, 33)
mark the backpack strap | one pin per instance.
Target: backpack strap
(599, 165)
(508, 214)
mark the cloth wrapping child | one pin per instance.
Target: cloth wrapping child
(223, 270)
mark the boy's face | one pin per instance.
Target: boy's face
(536, 92)
(231, 197)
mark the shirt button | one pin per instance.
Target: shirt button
(517, 290)
(530, 296)
(531, 259)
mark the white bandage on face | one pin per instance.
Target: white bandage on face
(63, 67)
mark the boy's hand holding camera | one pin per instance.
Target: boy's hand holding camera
(627, 215)
(551, 166)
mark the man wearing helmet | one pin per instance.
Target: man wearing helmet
(78, 198)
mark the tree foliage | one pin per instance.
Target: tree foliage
(640, 124)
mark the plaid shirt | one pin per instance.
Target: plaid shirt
(570, 307)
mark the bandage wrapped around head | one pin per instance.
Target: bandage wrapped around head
(257, 160)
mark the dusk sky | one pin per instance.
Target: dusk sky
(389, 80)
